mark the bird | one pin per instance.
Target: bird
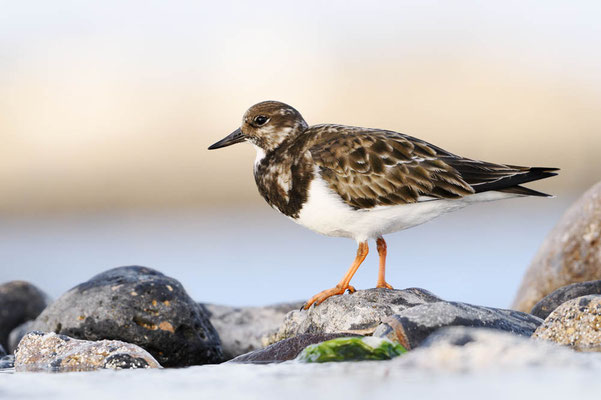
(364, 183)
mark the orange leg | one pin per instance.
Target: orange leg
(343, 285)
(382, 271)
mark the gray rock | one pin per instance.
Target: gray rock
(575, 323)
(571, 253)
(285, 350)
(543, 308)
(40, 351)
(463, 349)
(136, 305)
(411, 326)
(244, 329)
(17, 334)
(19, 302)
(358, 313)
(7, 362)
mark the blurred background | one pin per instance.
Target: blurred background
(107, 109)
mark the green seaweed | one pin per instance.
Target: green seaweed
(351, 349)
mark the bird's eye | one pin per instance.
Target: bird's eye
(261, 120)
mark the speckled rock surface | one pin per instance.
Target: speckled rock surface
(244, 329)
(571, 252)
(51, 352)
(285, 350)
(576, 323)
(464, 349)
(543, 308)
(359, 313)
(19, 302)
(136, 305)
(411, 326)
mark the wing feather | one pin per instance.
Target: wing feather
(371, 167)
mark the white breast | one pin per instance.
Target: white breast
(325, 212)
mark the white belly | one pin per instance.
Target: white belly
(325, 212)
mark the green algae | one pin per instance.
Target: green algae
(351, 349)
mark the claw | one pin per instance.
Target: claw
(323, 295)
(384, 285)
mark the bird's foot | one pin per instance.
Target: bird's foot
(321, 296)
(383, 285)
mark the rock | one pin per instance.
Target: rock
(285, 350)
(411, 326)
(17, 334)
(358, 348)
(575, 323)
(19, 302)
(358, 313)
(571, 252)
(463, 349)
(244, 329)
(543, 308)
(7, 362)
(40, 351)
(2, 351)
(136, 305)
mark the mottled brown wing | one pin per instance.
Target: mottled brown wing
(368, 168)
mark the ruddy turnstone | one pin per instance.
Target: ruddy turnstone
(363, 183)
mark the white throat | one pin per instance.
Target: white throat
(260, 155)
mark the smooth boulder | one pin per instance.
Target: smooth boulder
(571, 252)
(20, 301)
(543, 308)
(285, 350)
(245, 329)
(40, 351)
(576, 323)
(17, 334)
(358, 313)
(136, 305)
(412, 326)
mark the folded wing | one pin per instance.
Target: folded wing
(369, 168)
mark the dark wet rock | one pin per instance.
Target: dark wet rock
(7, 362)
(244, 329)
(40, 351)
(543, 308)
(571, 252)
(287, 349)
(358, 348)
(464, 349)
(576, 323)
(358, 313)
(17, 334)
(19, 302)
(411, 326)
(136, 305)
(2, 351)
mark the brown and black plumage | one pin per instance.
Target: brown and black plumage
(363, 183)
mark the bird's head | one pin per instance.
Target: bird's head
(266, 125)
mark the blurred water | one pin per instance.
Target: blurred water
(256, 256)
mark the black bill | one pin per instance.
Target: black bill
(235, 137)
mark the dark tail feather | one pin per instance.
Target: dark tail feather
(524, 191)
(511, 183)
